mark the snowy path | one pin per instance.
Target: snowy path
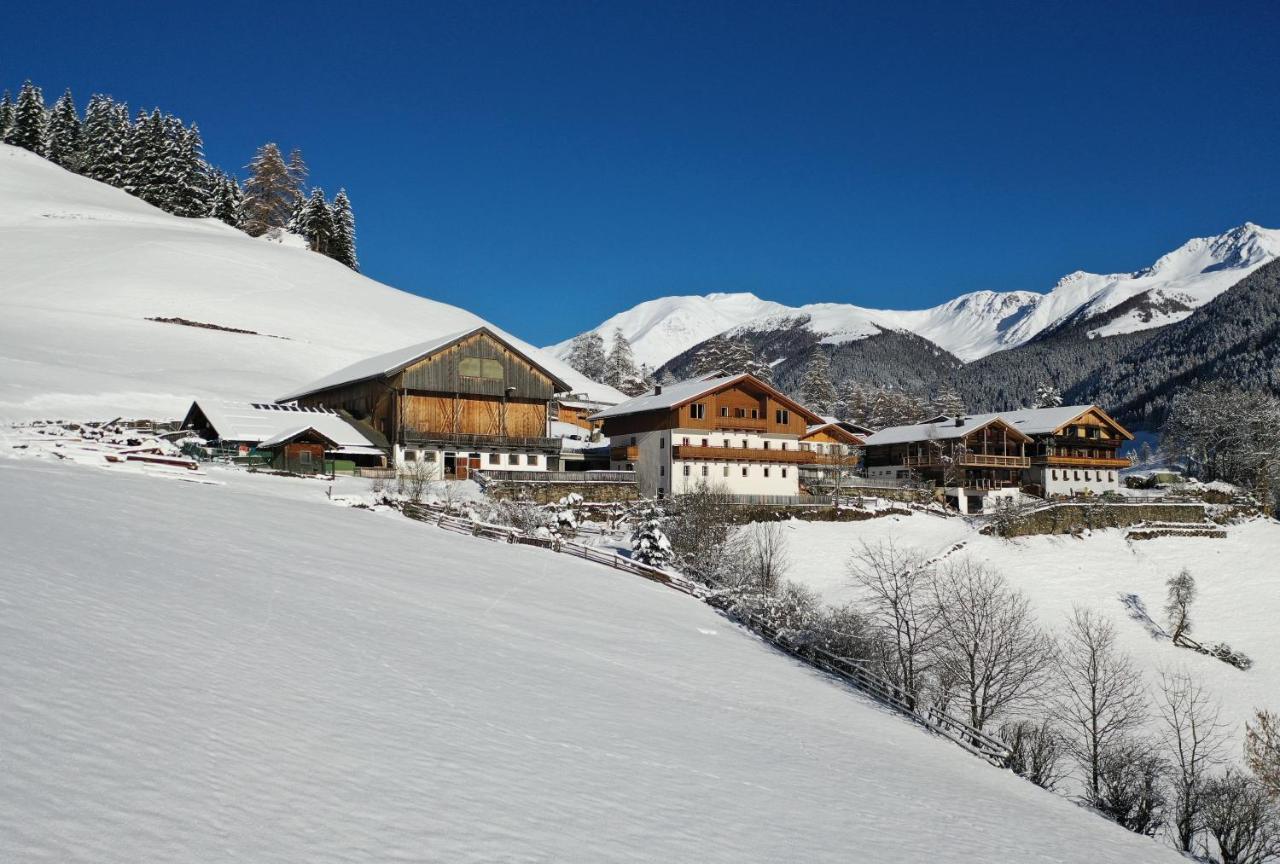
(194, 673)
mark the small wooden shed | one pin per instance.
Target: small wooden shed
(300, 450)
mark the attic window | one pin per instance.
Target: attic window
(697, 411)
(480, 367)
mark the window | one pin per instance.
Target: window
(662, 443)
(304, 457)
(704, 470)
(697, 411)
(630, 467)
(662, 470)
(784, 473)
(705, 442)
(495, 459)
(1054, 473)
(531, 459)
(633, 440)
(687, 472)
(766, 470)
(739, 412)
(784, 445)
(513, 458)
(411, 455)
(724, 410)
(685, 442)
(480, 367)
(726, 471)
(805, 447)
(744, 470)
(782, 416)
(755, 413)
(744, 443)
(725, 442)
(1111, 476)
(766, 445)
(429, 456)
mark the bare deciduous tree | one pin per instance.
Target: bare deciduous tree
(767, 558)
(1243, 823)
(987, 643)
(895, 583)
(1035, 751)
(1101, 697)
(1131, 785)
(1177, 607)
(1193, 736)
(1262, 749)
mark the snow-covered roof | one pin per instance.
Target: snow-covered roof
(941, 431)
(1028, 421)
(266, 423)
(391, 362)
(668, 396)
(286, 435)
(831, 423)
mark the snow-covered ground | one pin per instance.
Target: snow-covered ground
(246, 672)
(1237, 577)
(972, 325)
(85, 266)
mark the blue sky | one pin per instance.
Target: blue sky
(547, 164)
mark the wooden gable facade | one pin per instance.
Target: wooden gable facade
(1090, 440)
(742, 405)
(476, 387)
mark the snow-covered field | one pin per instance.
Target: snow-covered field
(1238, 579)
(247, 672)
(85, 266)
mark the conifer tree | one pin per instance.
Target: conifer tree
(649, 543)
(224, 204)
(816, 390)
(29, 122)
(141, 150)
(344, 232)
(102, 138)
(6, 115)
(63, 133)
(587, 355)
(268, 192)
(1047, 396)
(191, 193)
(316, 222)
(947, 401)
(297, 170)
(620, 366)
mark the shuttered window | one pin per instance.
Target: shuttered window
(480, 367)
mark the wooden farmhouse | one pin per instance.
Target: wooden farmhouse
(835, 447)
(1068, 450)
(732, 432)
(247, 428)
(464, 402)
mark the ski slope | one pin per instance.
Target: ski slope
(85, 265)
(1238, 584)
(236, 673)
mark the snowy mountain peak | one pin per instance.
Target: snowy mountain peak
(971, 325)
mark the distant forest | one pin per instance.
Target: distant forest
(158, 158)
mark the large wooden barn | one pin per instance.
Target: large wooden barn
(467, 401)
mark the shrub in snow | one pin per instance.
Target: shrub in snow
(1036, 752)
(1131, 786)
(649, 543)
(1262, 749)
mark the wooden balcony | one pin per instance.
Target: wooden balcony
(752, 423)
(740, 454)
(967, 460)
(1107, 464)
(624, 454)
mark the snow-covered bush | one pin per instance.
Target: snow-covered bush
(649, 543)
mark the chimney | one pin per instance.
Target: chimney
(657, 389)
(959, 420)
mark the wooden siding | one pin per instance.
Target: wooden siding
(442, 372)
(578, 416)
(474, 415)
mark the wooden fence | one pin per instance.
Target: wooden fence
(851, 671)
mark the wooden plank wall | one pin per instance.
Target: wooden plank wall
(474, 415)
(441, 373)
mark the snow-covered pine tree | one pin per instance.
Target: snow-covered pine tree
(620, 366)
(166, 177)
(6, 114)
(649, 543)
(664, 377)
(741, 357)
(62, 145)
(710, 358)
(344, 232)
(29, 121)
(851, 402)
(141, 152)
(641, 382)
(297, 169)
(268, 192)
(816, 390)
(1047, 396)
(316, 222)
(587, 355)
(192, 192)
(102, 139)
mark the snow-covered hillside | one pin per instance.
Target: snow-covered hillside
(85, 266)
(253, 694)
(1238, 602)
(976, 324)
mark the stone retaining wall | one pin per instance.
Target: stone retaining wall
(1070, 518)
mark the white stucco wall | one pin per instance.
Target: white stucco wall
(657, 473)
(1074, 481)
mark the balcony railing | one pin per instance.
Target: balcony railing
(974, 460)
(463, 441)
(624, 454)
(1080, 462)
(739, 422)
(740, 454)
